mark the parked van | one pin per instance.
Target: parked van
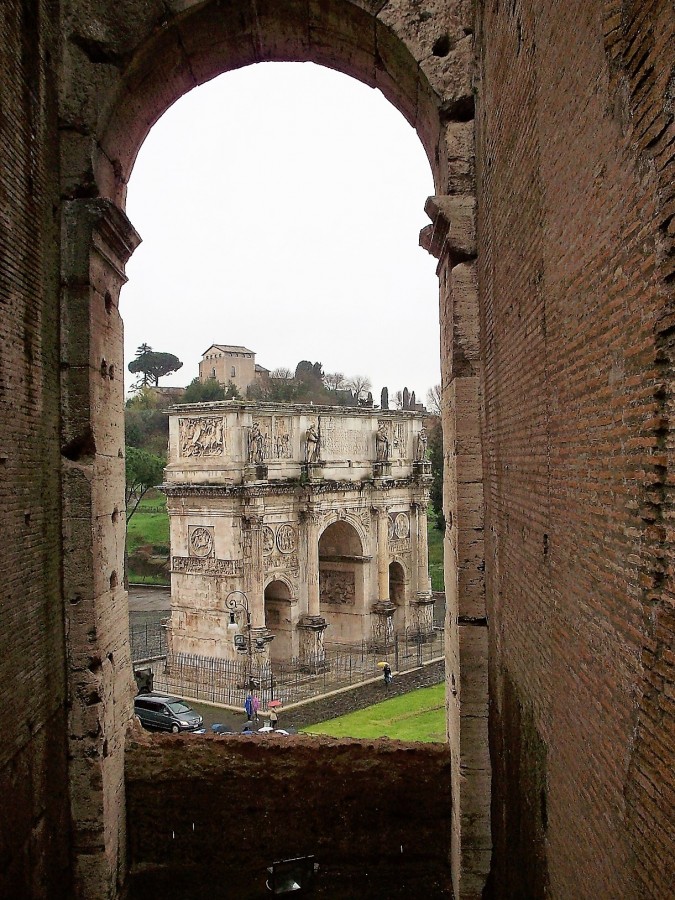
(162, 713)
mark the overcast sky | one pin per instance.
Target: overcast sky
(280, 207)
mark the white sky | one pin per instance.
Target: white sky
(280, 207)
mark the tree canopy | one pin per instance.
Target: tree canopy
(435, 448)
(208, 391)
(143, 471)
(153, 365)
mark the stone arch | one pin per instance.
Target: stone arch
(342, 582)
(353, 521)
(279, 617)
(121, 74)
(397, 594)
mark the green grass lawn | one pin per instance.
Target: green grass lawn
(417, 716)
(149, 525)
(435, 540)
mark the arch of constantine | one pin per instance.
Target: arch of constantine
(316, 515)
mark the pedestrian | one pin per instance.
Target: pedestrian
(256, 707)
(386, 671)
(274, 718)
(248, 706)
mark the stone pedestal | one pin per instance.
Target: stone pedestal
(422, 608)
(382, 469)
(255, 472)
(313, 471)
(421, 468)
(383, 625)
(312, 650)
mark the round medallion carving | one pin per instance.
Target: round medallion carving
(201, 542)
(267, 540)
(286, 539)
(402, 526)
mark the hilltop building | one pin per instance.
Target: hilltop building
(231, 363)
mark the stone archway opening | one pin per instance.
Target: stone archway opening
(106, 112)
(397, 591)
(342, 588)
(279, 620)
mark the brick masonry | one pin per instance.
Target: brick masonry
(575, 178)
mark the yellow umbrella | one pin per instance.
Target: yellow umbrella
(381, 665)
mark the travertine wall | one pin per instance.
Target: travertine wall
(575, 177)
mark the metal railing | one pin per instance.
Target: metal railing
(227, 682)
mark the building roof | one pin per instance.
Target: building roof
(228, 348)
(260, 368)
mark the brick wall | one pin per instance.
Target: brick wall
(216, 811)
(33, 826)
(575, 178)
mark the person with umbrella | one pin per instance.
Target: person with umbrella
(386, 671)
(274, 718)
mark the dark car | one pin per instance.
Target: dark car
(160, 712)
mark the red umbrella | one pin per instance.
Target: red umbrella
(274, 703)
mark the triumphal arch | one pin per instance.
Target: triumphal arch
(296, 523)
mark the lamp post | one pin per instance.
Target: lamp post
(237, 600)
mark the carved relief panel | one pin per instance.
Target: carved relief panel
(337, 588)
(273, 436)
(281, 442)
(399, 532)
(339, 441)
(399, 441)
(201, 541)
(201, 436)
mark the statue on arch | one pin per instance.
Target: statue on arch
(382, 443)
(255, 444)
(422, 440)
(312, 445)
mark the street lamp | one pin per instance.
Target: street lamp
(235, 601)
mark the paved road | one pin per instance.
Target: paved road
(148, 604)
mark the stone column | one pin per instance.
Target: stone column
(252, 526)
(98, 240)
(309, 540)
(382, 553)
(422, 580)
(312, 625)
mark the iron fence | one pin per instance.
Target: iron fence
(148, 641)
(227, 682)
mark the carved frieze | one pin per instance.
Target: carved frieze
(337, 588)
(338, 441)
(200, 541)
(201, 436)
(287, 561)
(193, 565)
